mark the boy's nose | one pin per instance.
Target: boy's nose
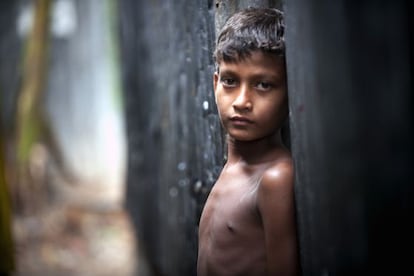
(242, 101)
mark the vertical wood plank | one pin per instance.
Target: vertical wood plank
(350, 91)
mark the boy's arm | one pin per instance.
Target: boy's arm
(276, 207)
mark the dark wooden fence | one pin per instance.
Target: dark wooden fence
(174, 135)
(350, 68)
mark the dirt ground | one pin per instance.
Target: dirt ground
(68, 241)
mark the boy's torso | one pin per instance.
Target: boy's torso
(231, 234)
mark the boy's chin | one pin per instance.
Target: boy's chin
(251, 138)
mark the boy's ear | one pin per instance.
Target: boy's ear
(215, 81)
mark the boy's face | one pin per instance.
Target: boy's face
(251, 96)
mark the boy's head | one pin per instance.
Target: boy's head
(250, 30)
(250, 79)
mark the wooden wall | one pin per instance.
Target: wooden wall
(350, 70)
(174, 135)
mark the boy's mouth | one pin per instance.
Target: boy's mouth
(240, 120)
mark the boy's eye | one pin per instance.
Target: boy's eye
(265, 86)
(228, 82)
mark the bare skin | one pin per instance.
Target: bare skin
(248, 223)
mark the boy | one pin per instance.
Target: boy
(248, 223)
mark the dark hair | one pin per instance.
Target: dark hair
(250, 30)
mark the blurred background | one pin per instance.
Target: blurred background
(110, 141)
(64, 138)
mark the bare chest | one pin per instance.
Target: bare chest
(231, 240)
(231, 210)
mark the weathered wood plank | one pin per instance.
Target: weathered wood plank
(350, 93)
(174, 135)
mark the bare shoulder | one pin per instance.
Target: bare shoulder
(278, 177)
(275, 201)
(276, 189)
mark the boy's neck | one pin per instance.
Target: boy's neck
(253, 152)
